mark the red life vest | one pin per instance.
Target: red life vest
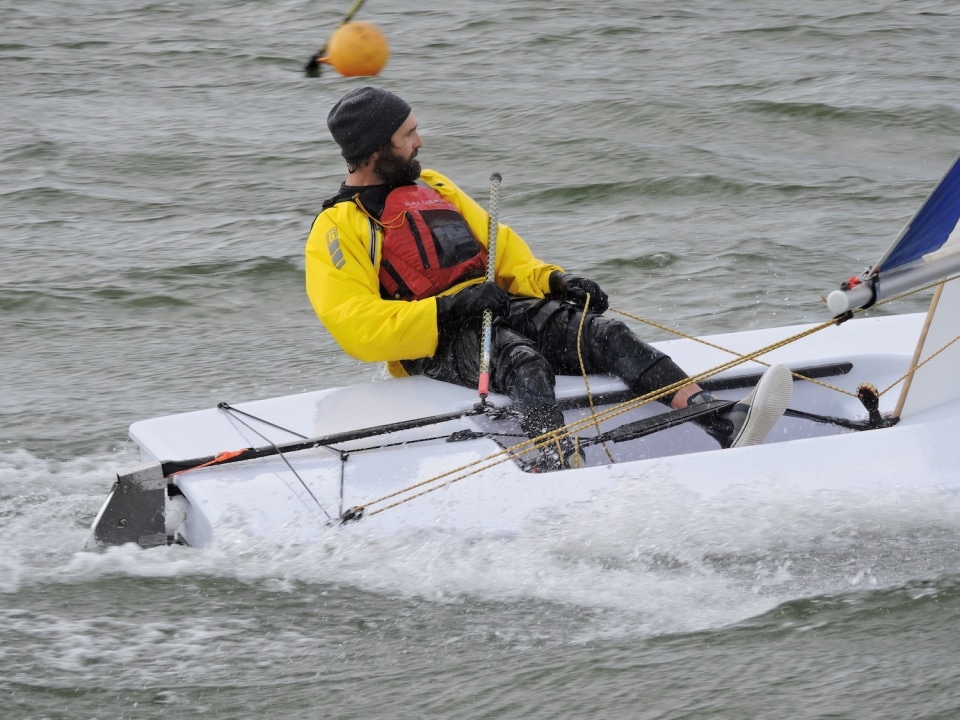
(427, 245)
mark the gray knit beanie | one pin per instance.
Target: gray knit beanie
(364, 120)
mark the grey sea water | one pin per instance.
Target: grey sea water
(715, 165)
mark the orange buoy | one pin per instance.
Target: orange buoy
(357, 49)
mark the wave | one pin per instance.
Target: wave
(695, 185)
(659, 260)
(938, 117)
(879, 611)
(654, 557)
(154, 287)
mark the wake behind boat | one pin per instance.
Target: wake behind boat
(875, 404)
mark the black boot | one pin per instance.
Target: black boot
(716, 425)
(561, 454)
(750, 420)
(555, 454)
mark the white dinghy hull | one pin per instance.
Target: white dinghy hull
(408, 479)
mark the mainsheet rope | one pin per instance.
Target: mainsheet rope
(464, 471)
(586, 380)
(595, 418)
(843, 318)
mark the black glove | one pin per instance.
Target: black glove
(468, 305)
(564, 286)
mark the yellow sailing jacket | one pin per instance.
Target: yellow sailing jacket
(343, 263)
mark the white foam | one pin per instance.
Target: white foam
(655, 557)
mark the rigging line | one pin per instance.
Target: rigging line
(583, 372)
(287, 462)
(703, 375)
(343, 469)
(503, 455)
(622, 408)
(478, 465)
(892, 298)
(494, 460)
(913, 369)
(702, 341)
(227, 406)
(417, 440)
(450, 477)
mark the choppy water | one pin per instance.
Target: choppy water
(716, 165)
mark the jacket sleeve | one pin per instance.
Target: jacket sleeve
(344, 290)
(518, 271)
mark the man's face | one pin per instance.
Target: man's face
(406, 141)
(396, 162)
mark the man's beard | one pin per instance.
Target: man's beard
(394, 169)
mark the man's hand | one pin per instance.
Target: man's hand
(564, 286)
(467, 306)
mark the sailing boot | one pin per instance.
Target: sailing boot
(750, 420)
(559, 454)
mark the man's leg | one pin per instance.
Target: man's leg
(609, 346)
(518, 371)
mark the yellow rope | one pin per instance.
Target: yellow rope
(702, 341)
(910, 371)
(586, 380)
(451, 476)
(388, 225)
(595, 418)
(914, 368)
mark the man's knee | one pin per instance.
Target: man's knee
(525, 376)
(640, 365)
(614, 341)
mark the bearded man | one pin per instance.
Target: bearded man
(395, 269)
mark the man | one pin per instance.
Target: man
(395, 267)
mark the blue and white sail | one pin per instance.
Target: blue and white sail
(927, 250)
